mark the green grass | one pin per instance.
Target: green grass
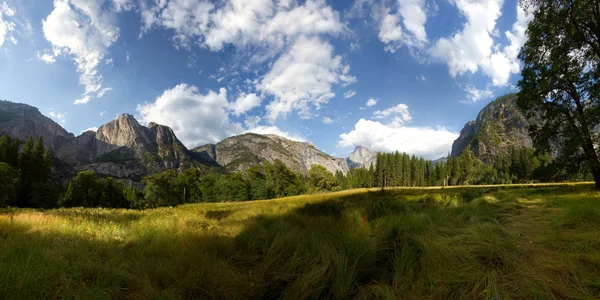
(492, 242)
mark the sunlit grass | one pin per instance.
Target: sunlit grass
(489, 242)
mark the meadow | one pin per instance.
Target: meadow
(490, 242)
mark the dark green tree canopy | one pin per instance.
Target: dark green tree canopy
(559, 82)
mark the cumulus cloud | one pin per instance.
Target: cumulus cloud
(422, 141)
(94, 129)
(244, 103)
(397, 115)
(349, 94)
(412, 14)
(199, 118)
(59, 117)
(288, 32)
(302, 78)
(6, 27)
(371, 102)
(47, 58)
(83, 30)
(275, 130)
(474, 94)
(241, 23)
(474, 48)
(196, 118)
(327, 120)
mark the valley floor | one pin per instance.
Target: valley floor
(521, 242)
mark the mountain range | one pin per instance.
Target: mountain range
(123, 148)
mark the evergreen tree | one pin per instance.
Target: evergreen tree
(9, 179)
(26, 170)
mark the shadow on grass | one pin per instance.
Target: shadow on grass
(447, 244)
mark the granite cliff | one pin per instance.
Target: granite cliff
(362, 157)
(23, 121)
(238, 153)
(498, 127)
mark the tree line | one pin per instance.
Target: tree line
(26, 177)
(26, 181)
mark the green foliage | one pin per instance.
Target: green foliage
(162, 189)
(320, 179)
(9, 179)
(560, 81)
(281, 180)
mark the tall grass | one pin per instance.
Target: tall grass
(459, 243)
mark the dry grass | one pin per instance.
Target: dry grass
(490, 242)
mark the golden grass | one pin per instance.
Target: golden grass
(517, 241)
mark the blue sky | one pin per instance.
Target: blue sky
(392, 75)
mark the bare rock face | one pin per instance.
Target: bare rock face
(362, 157)
(238, 153)
(126, 150)
(123, 148)
(498, 127)
(23, 121)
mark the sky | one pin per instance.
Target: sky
(400, 75)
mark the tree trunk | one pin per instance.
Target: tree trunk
(596, 173)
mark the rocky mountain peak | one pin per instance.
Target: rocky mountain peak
(498, 127)
(238, 153)
(23, 121)
(362, 156)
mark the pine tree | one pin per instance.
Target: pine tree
(25, 166)
(406, 169)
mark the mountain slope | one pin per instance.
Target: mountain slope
(23, 121)
(124, 148)
(238, 153)
(498, 127)
(362, 157)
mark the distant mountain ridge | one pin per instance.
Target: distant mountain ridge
(123, 148)
(362, 156)
(238, 153)
(22, 121)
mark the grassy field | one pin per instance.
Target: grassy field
(520, 242)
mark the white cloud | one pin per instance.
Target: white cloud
(275, 130)
(349, 94)
(60, 117)
(6, 27)
(103, 91)
(83, 100)
(422, 141)
(474, 94)
(302, 78)
(371, 102)
(397, 115)
(244, 103)
(306, 66)
(196, 118)
(94, 129)
(327, 120)
(47, 58)
(83, 30)
(252, 121)
(102, 113)
(474, 48)
(412, 14)
(241, 23)
(422, 77)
